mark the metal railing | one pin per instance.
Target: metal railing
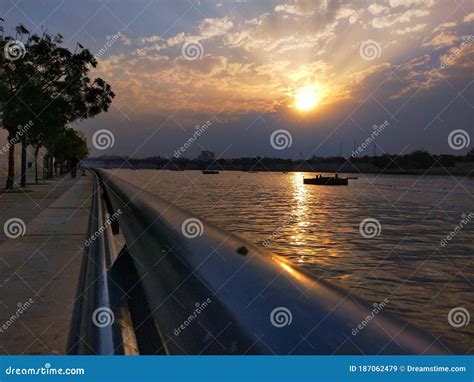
(100, 323)
(210, 292)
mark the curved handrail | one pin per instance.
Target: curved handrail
(217, 294)
(100, 322)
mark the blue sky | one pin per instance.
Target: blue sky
(357, 64)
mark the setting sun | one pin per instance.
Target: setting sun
(307, 98)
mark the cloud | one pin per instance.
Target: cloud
(411, 3)
(293, 9)
(148, 50)
(306, 7)
(125, 40)
(440, 40)
(144, 40)
(420, 75)
(209, 28)
(447, 25)
(468, 18)
(416, 28)
(296, 24)
(392, 19)
(348, 13)
(456, 59)
(176, 39)
(377, 9)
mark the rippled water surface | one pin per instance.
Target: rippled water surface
(319, 227)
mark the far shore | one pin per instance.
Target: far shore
(462, 169)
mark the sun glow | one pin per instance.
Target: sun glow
(307, 98)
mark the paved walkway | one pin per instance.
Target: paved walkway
(27, 205)
(39, 271)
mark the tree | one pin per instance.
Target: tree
(13, 78)
(48, 85)
(470, 154)
(68, 144)
(40, 135)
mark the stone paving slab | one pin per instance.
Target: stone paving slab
(26, 206)
(39, 272)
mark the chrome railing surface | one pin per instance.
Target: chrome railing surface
(100, 322)
(201, 290)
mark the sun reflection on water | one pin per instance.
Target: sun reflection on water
(300, 211)
(309, 213)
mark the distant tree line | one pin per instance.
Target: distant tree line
(418, 159)
(44, 88)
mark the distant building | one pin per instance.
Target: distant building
(207, 156)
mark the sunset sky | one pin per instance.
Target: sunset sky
(326, 71)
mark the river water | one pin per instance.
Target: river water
(320, 228)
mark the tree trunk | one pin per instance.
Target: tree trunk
(11, 166)
(23, 161)
(37, 148)
(51, 169)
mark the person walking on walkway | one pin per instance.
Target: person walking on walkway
(74, 164)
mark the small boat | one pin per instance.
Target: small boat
(327, 181)
(209, 172)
